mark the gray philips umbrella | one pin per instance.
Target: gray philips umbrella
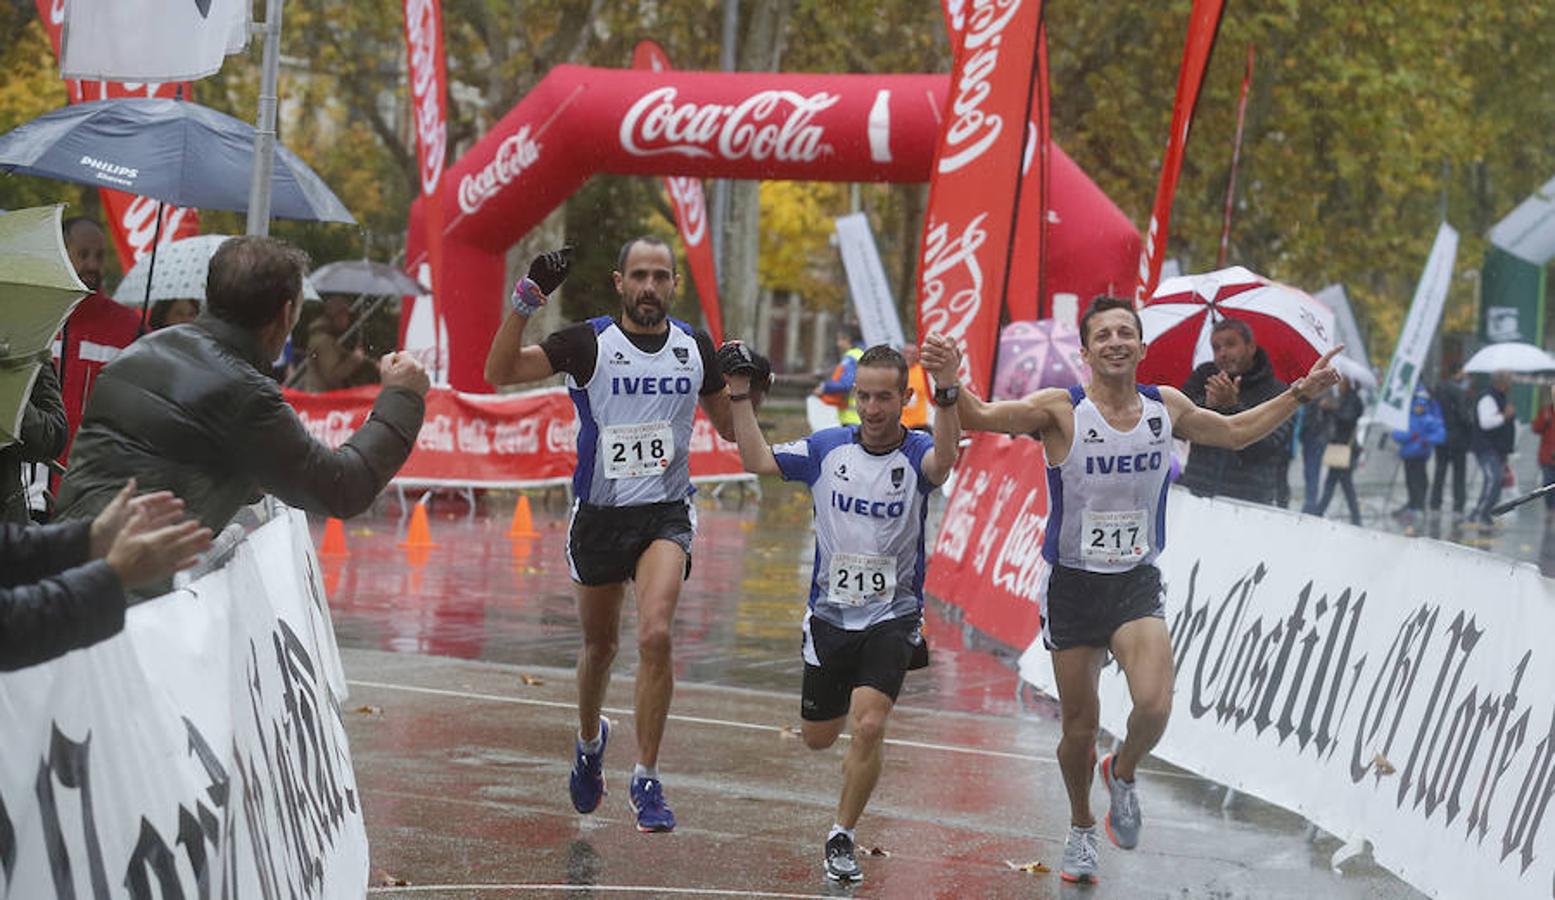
(169, 150)
(363, 276)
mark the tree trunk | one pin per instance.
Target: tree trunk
(760, 51)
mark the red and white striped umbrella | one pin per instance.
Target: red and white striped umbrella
(1292, 327)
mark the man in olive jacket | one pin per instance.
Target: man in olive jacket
(1240, 377)
(192, 410)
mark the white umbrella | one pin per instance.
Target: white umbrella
(1510, 356)
(181, 270)
(38, 288)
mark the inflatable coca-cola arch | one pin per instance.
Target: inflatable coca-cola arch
(804, 127)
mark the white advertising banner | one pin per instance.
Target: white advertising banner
(877, 315)
(1396, 690)
(150, 40)
(1414, 342)
(200, 753)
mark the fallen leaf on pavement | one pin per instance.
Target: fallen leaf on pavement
(369, 710)
(531, 680)
(387, 880)
(1035, 867)
(877, 851)
(788, 731)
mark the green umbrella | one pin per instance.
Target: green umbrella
(38, 288)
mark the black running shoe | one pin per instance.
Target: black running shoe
(841, 864)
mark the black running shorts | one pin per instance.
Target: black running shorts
(605, 542)
(1083, 609)
(878, 657)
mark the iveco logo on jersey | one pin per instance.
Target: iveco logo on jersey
(1123, 464)
(875, 509)
(625, 384)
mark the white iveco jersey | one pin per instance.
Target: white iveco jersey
(1108, 496)
(869, 512)
(635, 418)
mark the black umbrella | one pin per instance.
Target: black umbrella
(363, 276)
(169, 150)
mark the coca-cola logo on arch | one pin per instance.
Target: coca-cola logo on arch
(768, 125)
(517, 153)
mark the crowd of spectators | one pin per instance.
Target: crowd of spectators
(164, 433)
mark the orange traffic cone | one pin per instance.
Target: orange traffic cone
(523, 521)
(334, 543)
(419, 535)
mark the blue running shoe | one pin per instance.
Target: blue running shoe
(587, 784)
(653, 814)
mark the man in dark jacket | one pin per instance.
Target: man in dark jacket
(1495, 436)
(1452, 454)
(62, 586)
(43, 435)
(1239, 378)
(191, 409)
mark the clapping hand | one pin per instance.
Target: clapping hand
(1221, 391)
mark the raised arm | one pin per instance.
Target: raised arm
(509, 361)
(755, 453)
(942, 357)
(1206, 426)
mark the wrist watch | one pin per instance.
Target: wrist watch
(946, 397)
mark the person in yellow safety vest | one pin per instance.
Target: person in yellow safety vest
(838, 389)
(915, 413)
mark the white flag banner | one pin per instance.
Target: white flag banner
(1414, 342)
(877, 315)
(199, 753)
(1390, 689)
(1349, 333)
(150, 40)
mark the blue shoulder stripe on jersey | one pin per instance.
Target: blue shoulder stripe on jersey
(683, 327)
(1076, 394)
(1160, 512)
(588, 442)
(1055, 517)
(600, 323)
(1151, 391)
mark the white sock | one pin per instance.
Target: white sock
(642, 771)
(594, 745)
(838, 829)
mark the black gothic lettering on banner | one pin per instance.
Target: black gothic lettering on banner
(7, 844)
(293, 790)
(1290, 668)
(1292, 673)
(69, 763)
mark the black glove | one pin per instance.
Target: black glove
(734, 358)
(549, 270)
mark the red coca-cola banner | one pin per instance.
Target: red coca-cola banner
(754, 125)
(1203, 25)
(987, 559)
(690, 206)
(494, 441)
(975, 183)
(132, 220)
(428, 91)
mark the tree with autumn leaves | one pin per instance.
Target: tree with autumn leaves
(1366, 123)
